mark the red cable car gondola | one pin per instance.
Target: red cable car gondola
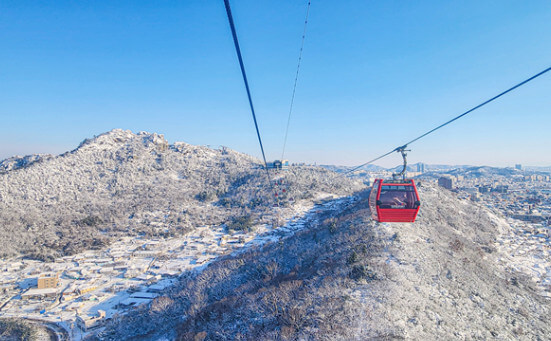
(395, 201)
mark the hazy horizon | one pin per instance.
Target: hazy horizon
(292, 161)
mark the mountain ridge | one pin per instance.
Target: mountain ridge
(125, 183)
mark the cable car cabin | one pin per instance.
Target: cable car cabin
(394, 201)
(279, 165)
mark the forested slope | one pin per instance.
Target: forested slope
(345, 277)
(120, 183)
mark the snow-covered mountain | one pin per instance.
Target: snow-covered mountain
(17, 162)
(345, 169)
(340, 276)
(484, 171)
(472, 172)
(448, 276)
(125, 183)
(437, 170)
(397, 169)
(538, 169)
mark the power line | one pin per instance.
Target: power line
(453, 119)
(238, 51)
(296, 79)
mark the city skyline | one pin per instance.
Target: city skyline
(373, 76)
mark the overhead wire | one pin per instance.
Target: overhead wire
(296, 80)
(397, 149)
(404, 146)
(244, 74)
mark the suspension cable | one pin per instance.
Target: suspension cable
(397, 149)
(296, 79)
(238, 51)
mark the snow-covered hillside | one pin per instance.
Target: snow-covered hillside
(17, 162)
(346, 277)
(121, 183)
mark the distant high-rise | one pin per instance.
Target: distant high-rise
(501, 189)
(421, 167)
(484, 189)
(518, 166)
(445, 182)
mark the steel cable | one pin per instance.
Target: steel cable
(296, 80)
(238, 51)
(404, 146)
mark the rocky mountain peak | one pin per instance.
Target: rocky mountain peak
(117, 138)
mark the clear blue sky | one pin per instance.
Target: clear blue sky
(374, 75)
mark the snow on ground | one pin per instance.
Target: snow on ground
(439, 278)
(111, 277)
(460, 272)
(526, 249)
